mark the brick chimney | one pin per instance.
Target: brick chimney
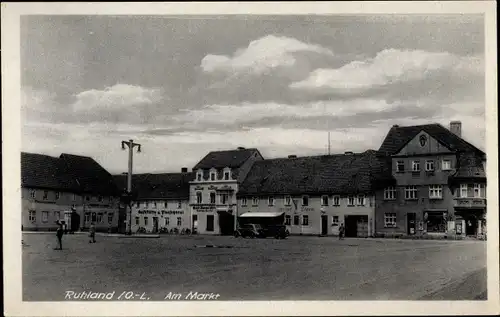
(456, 128)
(184, 170)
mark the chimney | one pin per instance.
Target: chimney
(184, 170)
(292, 156)
(395, 126)
(348, 153)
(240, 148)
(456, 128)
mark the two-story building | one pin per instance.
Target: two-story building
(70, 188)
(213, 191)
(161, 201)
(314, 194)
(439, 183)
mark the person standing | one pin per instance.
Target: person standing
(341, 231)
(92, 233)
(59, 234)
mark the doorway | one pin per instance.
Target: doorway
(155, 224)
(324, 225)
(411, 223)
(210, 223)
(356, 226)
(471, 226)
(195, 224)
(226, 223)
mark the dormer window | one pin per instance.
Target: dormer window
(199, 176)
(227, 174)
(213, 175)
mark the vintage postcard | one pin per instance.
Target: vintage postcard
(238, 159)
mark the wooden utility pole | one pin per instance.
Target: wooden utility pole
(130, 144)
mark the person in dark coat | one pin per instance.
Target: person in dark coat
(59, 234)
(341, 231)
(92, 233)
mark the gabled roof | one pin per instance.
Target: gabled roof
(157, 186)
(398, 137)
(66, 173)
(329, 174)
(221, 159)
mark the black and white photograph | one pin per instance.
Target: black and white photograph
(247, 159)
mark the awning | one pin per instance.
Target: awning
(261, 214)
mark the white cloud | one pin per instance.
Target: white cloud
(119, 96)
(388, 66)
(261, 55)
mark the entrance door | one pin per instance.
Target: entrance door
(210, 223)
(411, 225)
(155, 224)
(195, 223)
(351, 226)
(324, 225)
(226, 223)
(471, 226)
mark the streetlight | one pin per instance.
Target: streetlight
(130, 144)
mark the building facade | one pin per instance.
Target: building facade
(212, 193)
(161, 202)
(315, 194)
(72, 189)
(429, 178)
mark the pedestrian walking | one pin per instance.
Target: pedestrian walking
(341, 231)
(92, 233)
(59, 234)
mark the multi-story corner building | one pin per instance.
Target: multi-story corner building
(213, 190)
(439, 183)
(161, 201)
(69, 188)
(314, 194)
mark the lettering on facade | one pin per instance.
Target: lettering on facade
(204, 207)
(162, 212)
(306, 209)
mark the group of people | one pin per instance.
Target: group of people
(60, 232)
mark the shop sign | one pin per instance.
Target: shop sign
(172, 212)
(148, 212)
(305, 209)
(204, 208)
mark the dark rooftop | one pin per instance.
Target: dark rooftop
(231, 158)
(157, 186)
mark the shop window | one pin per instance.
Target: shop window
(390, 220)
(436, 221)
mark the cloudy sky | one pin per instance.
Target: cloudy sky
(183, 86)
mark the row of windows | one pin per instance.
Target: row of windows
(96, 217)
(429, 165)
(57, 195)
(166, 223)
(223, 198)
(435, 222)
(436, 192)
(226, 175)
(359, 200)
(154, 204)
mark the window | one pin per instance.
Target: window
(58, 194)
(270, 201)
(199, 176)
(288, 200)
(179, 204)
(212, 176)
(100, 198)
(57, 215)
(99, 217)
(446, 165)
(145, 221)
(33, 193)
(255, 201)
(223, 199)
(435, 192)
(165, 204)
(411, 192)
(87, 217)
(336, 200)
(463, 190)
(335, 220)
(305, 220)
(226, 176)
(146, 204)
(45, 195)
(390, 220)
(288, 220)
(415, 166)
(212, 198)
(199, 198)
(110, 218)
(350, 201)
(94, 217)
(244, 201)
(45, 216)
(32, 216)
(479, 190)
(400, 166)
(429, 165)
(296, 220)
(167, 222)
(305, 201)
(361, 200)
(390, 193)
(154, 204)
(137, 204)
(436, 221)
(136, 221)
(324, 200)
(179, 221)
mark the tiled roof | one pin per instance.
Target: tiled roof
(470, 166)
(221, 159)
(66, 173)
(400, 136)
(157, 186)
(329, 174)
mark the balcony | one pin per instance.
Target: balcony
(470, 203)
